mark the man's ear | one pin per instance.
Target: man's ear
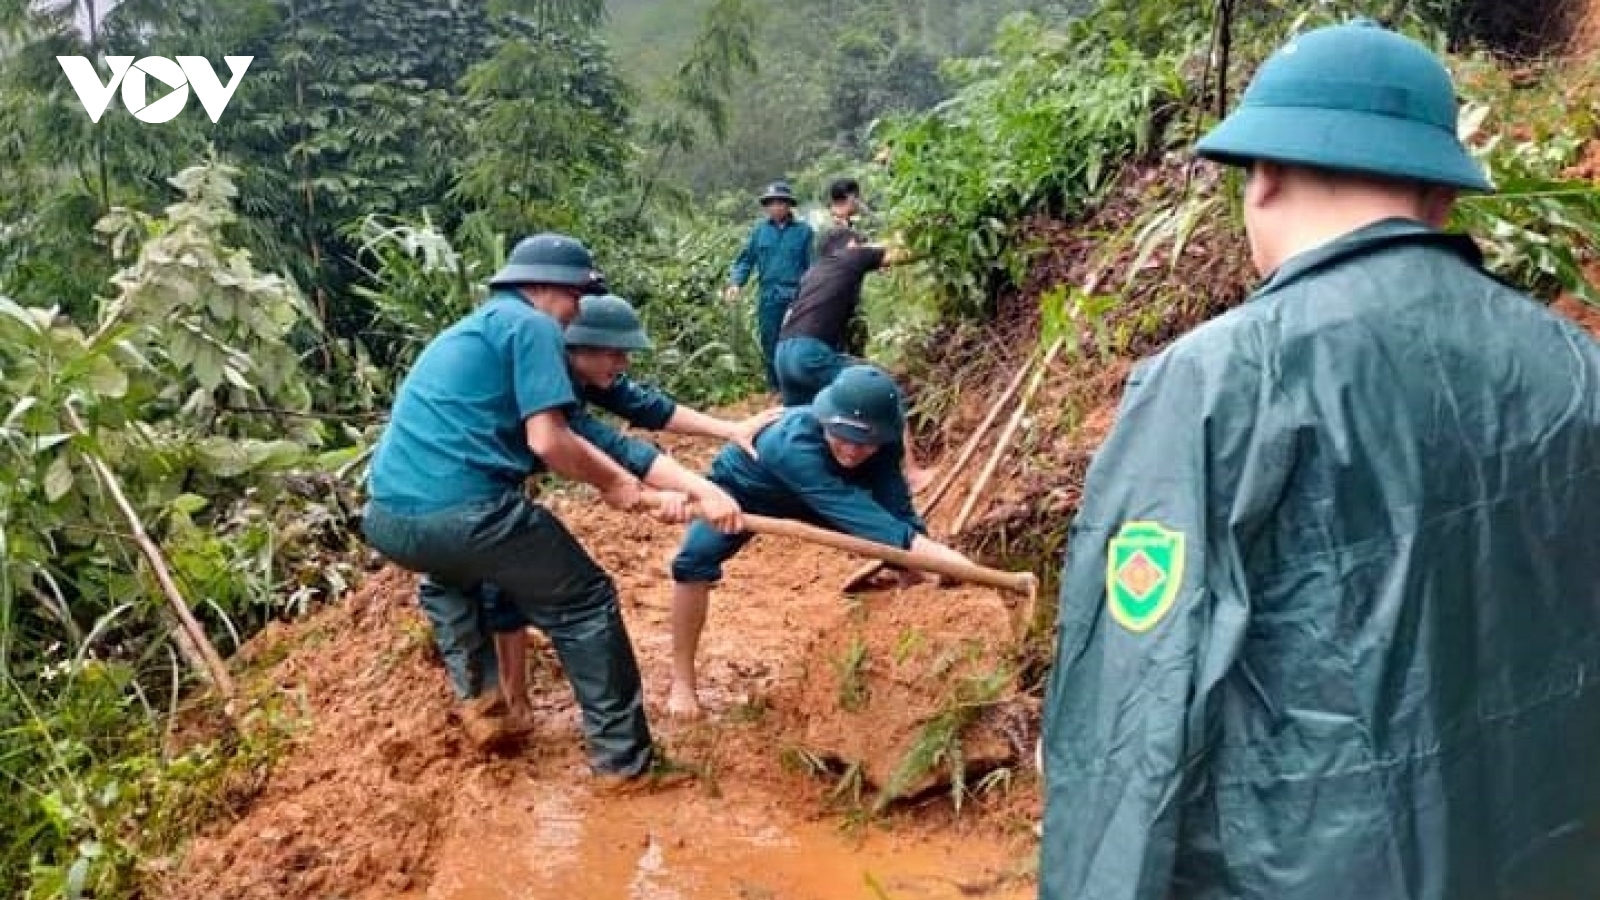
(1264, 183)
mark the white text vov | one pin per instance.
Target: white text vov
(186, 72)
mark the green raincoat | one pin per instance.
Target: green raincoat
(1330, 617)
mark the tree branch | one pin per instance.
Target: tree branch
(192, 642)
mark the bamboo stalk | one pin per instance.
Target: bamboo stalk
(953, 473)
(1006, 436)
(970, 449)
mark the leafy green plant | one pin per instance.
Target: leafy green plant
(938, 744)
(185, 395)
(1540, 225)
(1041, 125)
(851, 670)
(420, 280)
(706, 351)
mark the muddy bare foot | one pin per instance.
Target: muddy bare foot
(488, 725)
(683, 705)
(519, 719)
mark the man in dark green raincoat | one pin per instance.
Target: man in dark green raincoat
(1330, 618)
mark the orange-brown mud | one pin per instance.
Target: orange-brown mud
(381, 797)
(1586, 32)
(897, 670)
(1585, 315)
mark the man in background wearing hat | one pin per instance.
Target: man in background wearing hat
(836, 463)
(778, 253)
(1330, 617)
(485, 406)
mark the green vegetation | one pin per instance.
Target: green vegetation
(208, 320)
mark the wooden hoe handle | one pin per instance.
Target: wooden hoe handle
(1021, 582)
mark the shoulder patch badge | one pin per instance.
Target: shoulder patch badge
(1144, 568)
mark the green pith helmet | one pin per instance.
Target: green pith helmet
(609, 322)
(550, 259)
(1356, 98)
(861, 405)
(778, 190)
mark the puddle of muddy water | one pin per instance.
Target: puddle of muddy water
(536, 839)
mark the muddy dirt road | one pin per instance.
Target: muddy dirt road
(381, 797)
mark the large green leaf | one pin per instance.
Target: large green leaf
(58, 479)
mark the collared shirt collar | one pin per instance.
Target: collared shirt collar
(1383, 233)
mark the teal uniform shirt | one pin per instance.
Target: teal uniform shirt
(1330, 614)
(456, 432)
(798, 478)
(642, 406)
(779, 255)
(638, 405)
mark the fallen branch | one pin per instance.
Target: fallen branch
(191, 639)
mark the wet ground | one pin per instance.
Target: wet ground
(530, 841)
(381, 796)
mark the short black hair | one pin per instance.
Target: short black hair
(843, 189)
(838, 240)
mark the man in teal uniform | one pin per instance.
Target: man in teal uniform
(778, 252)
(835, 463)
(599, 342)
(486, 404)
(1330, 617)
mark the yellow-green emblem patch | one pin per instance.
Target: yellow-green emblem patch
(1144, 568)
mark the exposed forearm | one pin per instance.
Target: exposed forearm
(667, 474)
(693, 422)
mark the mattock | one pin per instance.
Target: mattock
(972, 573)
(1024, 583)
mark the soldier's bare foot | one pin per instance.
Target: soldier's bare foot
(486, 733)
(488, 723)
(519, 719)
(683, 705)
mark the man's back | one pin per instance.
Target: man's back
(829, 294)
(1384, 683)
(1427, 597)
(456, 431)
